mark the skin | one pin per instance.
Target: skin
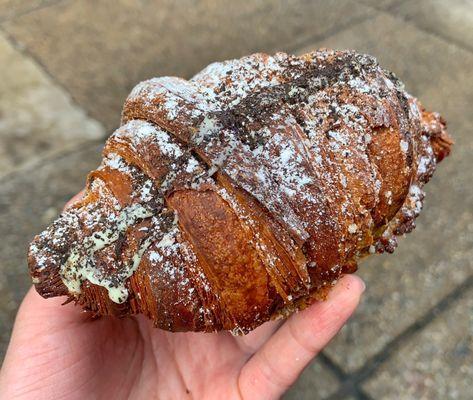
(61, 353)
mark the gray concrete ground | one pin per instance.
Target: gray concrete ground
(66, 67)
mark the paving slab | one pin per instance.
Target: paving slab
(29, 201)
(316, 382)
(100, 50)
(451, 19)
(381, 4)
(12, 8)
(37, 117)
(438, 255)
(437, 363)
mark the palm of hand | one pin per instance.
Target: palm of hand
(58, 352)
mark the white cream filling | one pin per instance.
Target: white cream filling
(78, 266)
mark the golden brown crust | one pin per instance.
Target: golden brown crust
(244, 193)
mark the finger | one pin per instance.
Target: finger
(280, 361)
(33, 333)
(253, 341)
(45, 315)
(74, 199)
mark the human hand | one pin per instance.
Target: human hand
(59, 352)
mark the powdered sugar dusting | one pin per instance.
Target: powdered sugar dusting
(297, 134)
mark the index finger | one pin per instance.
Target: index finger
(282, 358)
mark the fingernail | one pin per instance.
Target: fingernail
(362, 284)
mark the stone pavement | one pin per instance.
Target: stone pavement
(66, 67)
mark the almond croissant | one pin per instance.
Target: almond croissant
(244, 193)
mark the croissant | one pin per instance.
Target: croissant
(244, 193)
